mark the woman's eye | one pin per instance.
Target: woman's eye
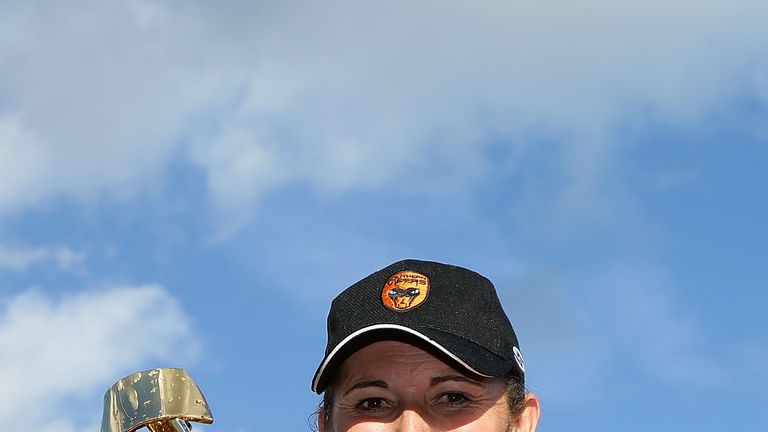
(454, 399)
(372, 405)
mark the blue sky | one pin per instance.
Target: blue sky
(189, 185)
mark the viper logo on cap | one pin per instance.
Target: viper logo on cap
(405, 290)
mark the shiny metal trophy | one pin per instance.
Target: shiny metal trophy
(162, 400)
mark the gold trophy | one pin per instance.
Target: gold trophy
(162, 400)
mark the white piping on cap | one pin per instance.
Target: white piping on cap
(347, 339)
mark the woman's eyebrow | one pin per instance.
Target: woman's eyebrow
(364, 384)
(460, 378)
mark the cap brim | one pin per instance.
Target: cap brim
(463, 353)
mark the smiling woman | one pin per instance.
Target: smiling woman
(422, 346)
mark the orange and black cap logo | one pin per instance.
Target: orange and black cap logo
(405, 290)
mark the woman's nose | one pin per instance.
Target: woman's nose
(412, 421)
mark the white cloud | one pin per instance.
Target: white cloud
(94, 97)
(21, 258)
(347, 94)
(56, 352)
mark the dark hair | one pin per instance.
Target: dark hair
(515, 402)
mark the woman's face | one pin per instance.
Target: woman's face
(394, 386)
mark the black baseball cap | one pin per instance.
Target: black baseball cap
(453, 311)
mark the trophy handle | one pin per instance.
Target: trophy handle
(172, 425)
(162, 400)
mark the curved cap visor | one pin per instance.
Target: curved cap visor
(465, 354)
